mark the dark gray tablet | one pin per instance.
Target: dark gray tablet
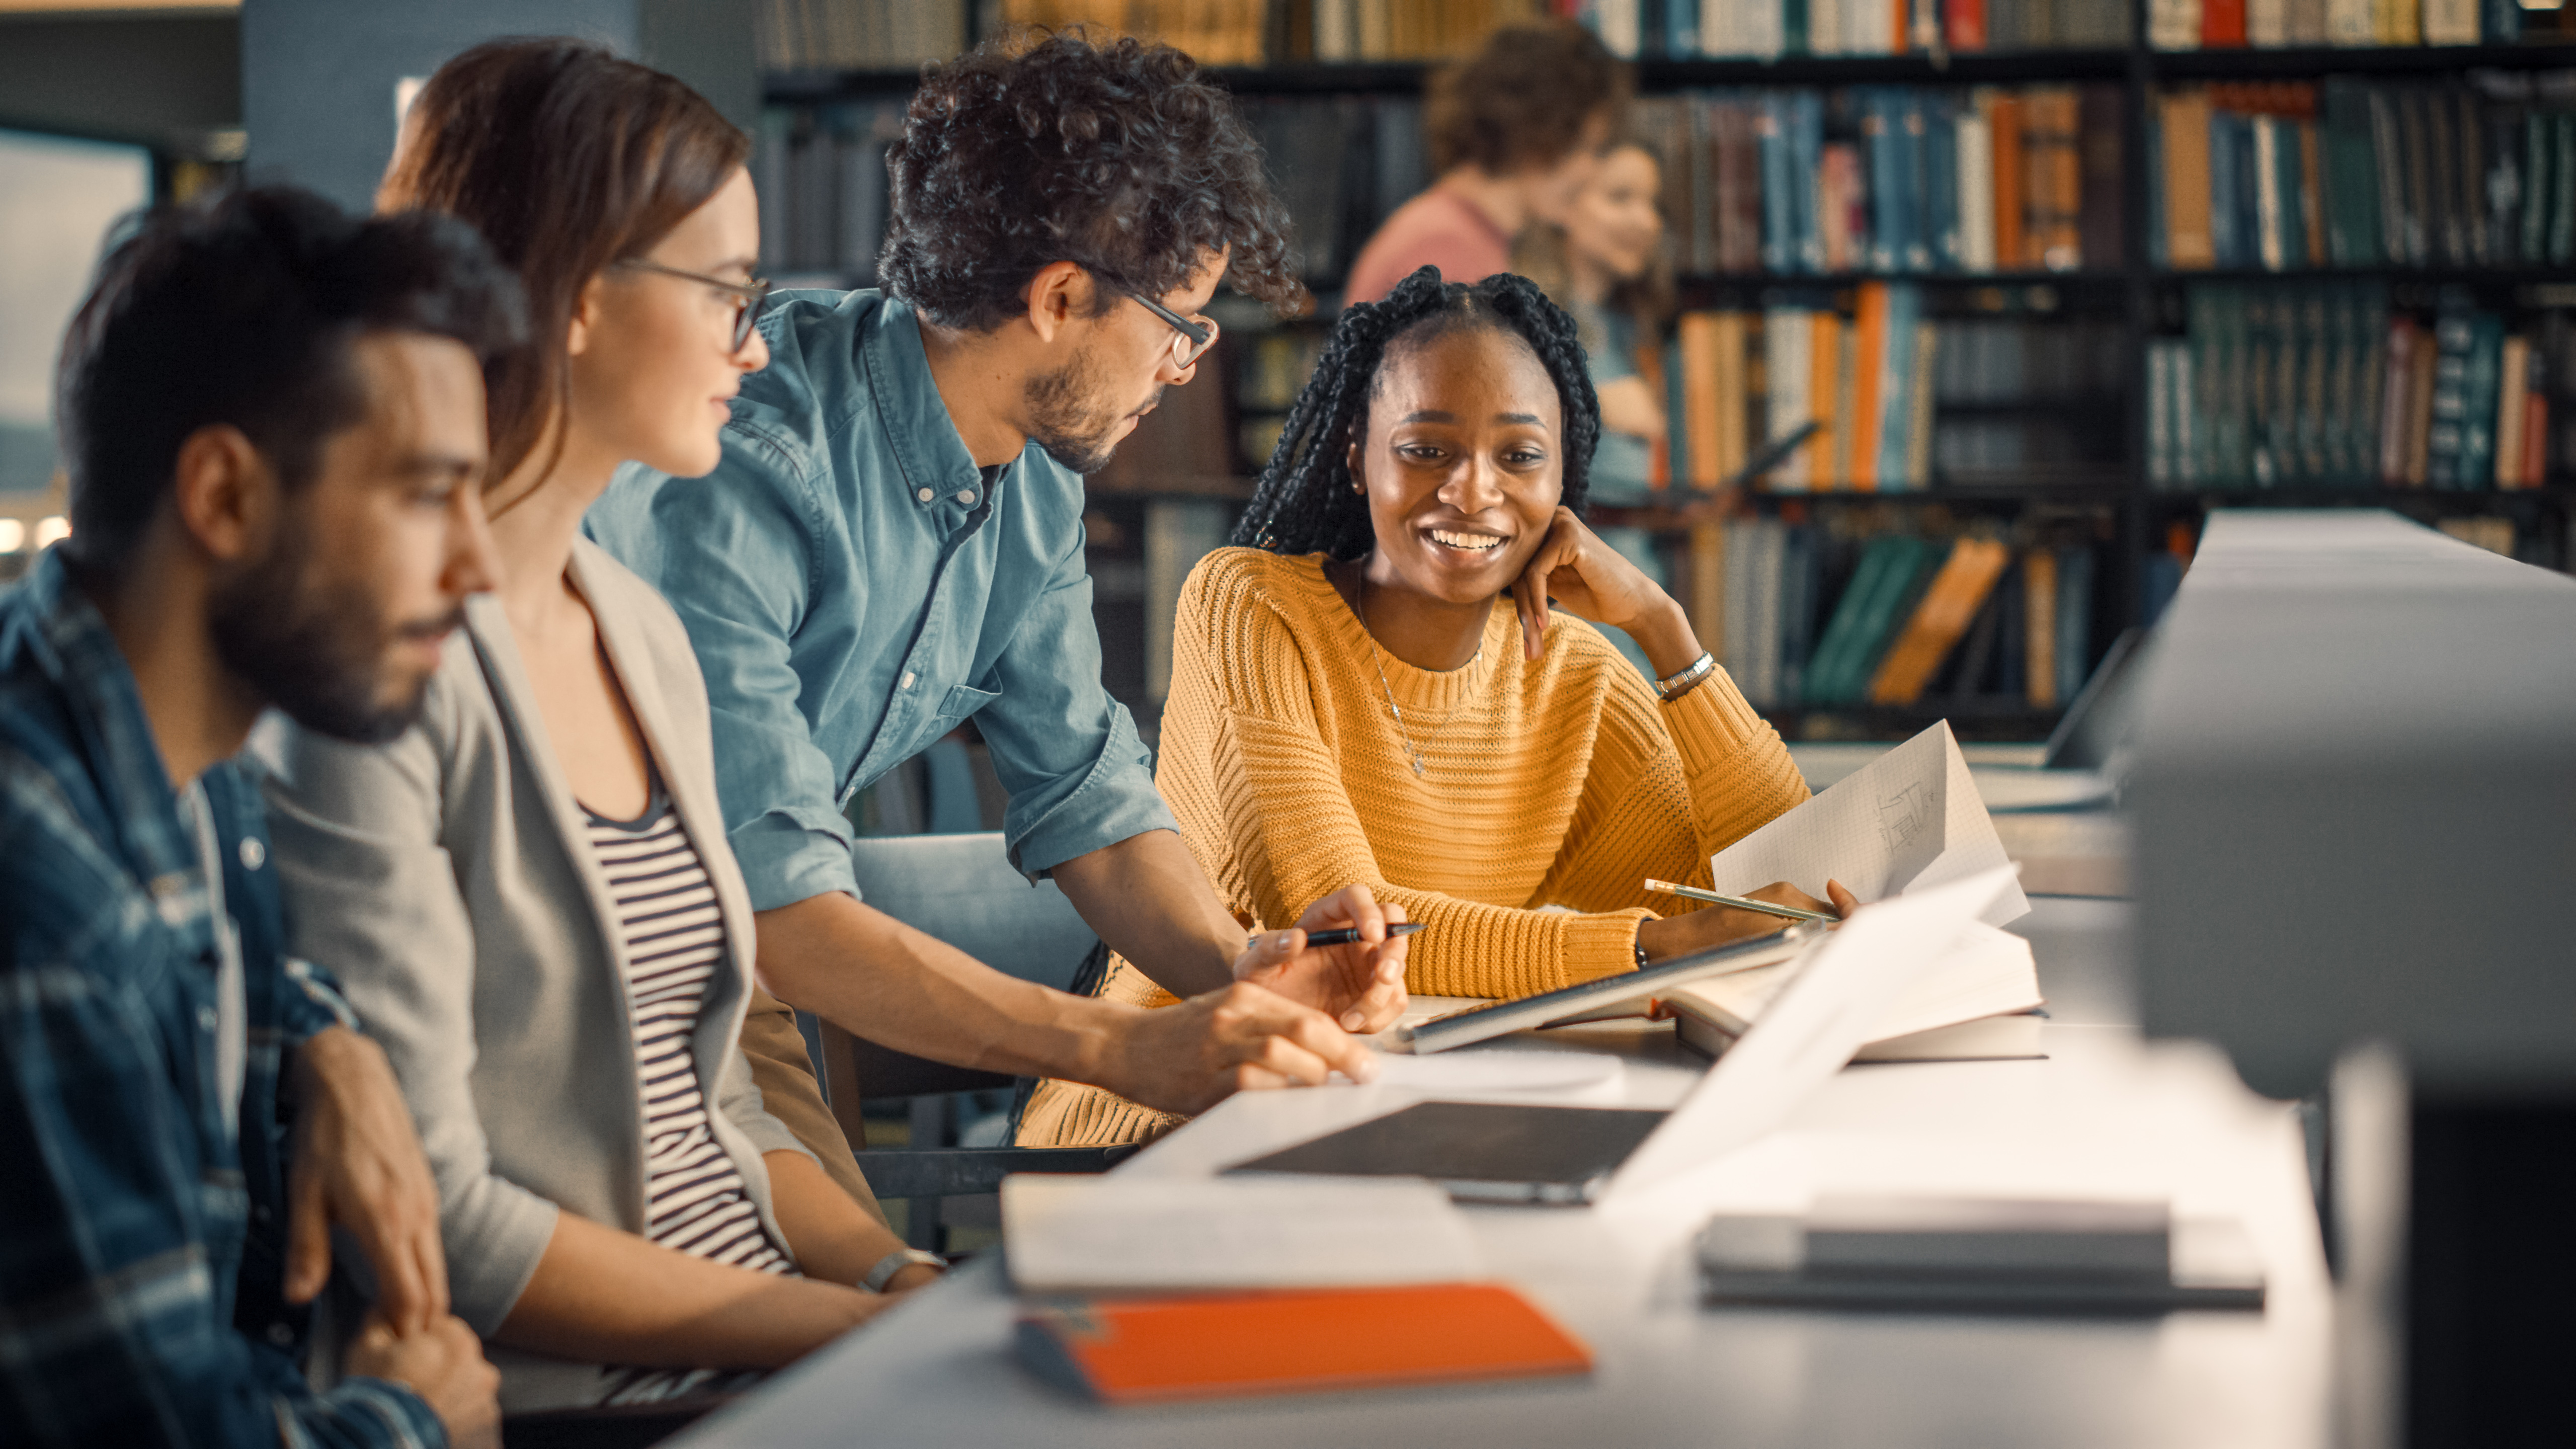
(1480, 1151)
(1491, 1019)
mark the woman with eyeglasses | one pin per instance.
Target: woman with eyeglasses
(531, 893)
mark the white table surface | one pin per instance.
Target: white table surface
(2104, 1115)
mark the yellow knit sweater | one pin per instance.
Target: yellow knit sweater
(1563, 783)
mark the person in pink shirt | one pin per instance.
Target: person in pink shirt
(1515, 130)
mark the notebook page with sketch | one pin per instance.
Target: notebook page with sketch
(1908, 820)
(1814, 1026)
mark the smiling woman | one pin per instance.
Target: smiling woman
(1352, 700)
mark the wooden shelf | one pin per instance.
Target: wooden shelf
(1378, 77)
(2435, 276)
(2307, 62)
(2306, 495)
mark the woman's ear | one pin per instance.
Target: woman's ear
(1359, 475)
(585, 315)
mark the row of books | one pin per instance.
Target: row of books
(2479, 172)
(2325, 384)
(821, 175)
(815, 35)
(1880, 381)
(2195, 24)
(1684, 29)
(1891, 178)
(1820, 616)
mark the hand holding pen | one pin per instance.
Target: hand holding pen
(1739, 917)
(1328, 962)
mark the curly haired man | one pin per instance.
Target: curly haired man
(893, 543)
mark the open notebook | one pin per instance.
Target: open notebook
(1483, 1151)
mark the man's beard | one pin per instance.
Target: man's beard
(1067, 419)
(314, 649)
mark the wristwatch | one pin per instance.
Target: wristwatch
(895, 1262)
(1673, 686)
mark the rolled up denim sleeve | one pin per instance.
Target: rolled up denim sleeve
(1079, 777)
(731, 553)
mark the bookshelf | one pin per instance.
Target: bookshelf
(2135, 528)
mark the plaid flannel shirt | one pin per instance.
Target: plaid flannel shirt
(141, 1239)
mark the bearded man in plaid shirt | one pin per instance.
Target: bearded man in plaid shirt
(273, 420)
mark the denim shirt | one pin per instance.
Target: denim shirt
(855, 588)
(142, 1233)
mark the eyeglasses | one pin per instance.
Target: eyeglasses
(1196, 334)
(749, 297)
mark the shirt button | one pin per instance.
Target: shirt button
(253, 854)
(905, 682)
(925, 495)
(206, 1017)
(966, 495)
(281, 1335)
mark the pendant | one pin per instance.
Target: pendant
(1417, 766)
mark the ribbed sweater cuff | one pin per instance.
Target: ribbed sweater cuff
(1712, 723)
(1602, 944)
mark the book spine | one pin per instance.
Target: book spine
(2512, 403)
(2004, 120)
(1779, 209)
(1806, 157)
(1941, 162)
(1824, 381)
(2039, 628)
(1868, 364)
(2190, 242)
(2482, 403)
(2450, 22)
(1917, 222)
(1976, 167)
(2222, 23)
(1964, 22)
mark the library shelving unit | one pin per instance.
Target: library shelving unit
(1143, 535)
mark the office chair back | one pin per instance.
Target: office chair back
(962, 890)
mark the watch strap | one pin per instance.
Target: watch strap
(895, 1262)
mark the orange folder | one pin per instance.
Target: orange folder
(1154, 1350)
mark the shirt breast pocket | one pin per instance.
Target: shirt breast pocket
(960, 701)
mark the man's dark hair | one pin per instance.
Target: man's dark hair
(1523, 99)
(243, 312)
(1307, 501)
(1116, 155)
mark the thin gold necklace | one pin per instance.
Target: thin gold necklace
(1411, 749)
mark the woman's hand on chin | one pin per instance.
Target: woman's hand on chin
(1589, 579)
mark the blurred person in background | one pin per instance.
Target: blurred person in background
(1514, 132)
(1606, 264)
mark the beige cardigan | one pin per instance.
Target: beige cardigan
(446, 878)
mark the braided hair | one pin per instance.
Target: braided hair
(1306, 503)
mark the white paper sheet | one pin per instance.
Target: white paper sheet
(1807, 1032)
(1067, 1233)
(1909, 820)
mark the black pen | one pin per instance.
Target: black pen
(1347, 935)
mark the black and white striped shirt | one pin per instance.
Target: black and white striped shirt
(694, 1196)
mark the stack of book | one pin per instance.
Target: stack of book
(1818, 616)
(1891, 178)
(811, 35)
(2366, 173)
(821, 175)
(1899, 397)
(2327, 385)
(2193, 24)
(1719, 29)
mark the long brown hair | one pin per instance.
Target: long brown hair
(568, 160)
(1649, 299)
